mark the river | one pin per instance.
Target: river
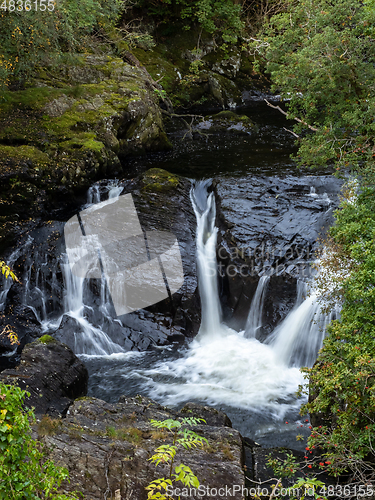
(253, 380)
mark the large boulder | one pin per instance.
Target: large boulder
(106, 448)
(52, 375)
(71, 126)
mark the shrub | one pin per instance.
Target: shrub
(28, 39)
(25, 473)
(159, 489)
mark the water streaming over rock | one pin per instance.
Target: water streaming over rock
(254, 318)
(61, 302)
(220, 366)
(299, 337)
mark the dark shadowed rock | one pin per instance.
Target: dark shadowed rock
(106, 448)
(272, 226)
(51, 373)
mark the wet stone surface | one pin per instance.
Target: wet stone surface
(271, 226)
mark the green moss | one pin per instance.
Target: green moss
(161, 68)
(33, 98)
(229, 115)
(227, 120)
(20, 153)
(130, 434)
(46, 339)
(83, 140)
(48, 426)
(159, 180)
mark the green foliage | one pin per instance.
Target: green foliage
(30, 38)
(309, 486)
(321, 56)
(25, 474)
(165, 454)
(305, 486)
(283, 468)
(217, 17)
(343, 380)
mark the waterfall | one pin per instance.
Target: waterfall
(84, 317)
(299, 337)
(205, 212)
(89, 339)
(254, 318)
(222, 366)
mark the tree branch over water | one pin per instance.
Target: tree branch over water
(286, 114)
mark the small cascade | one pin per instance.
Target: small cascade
(99, 191)
(89, 339)
(205, 211)
(254, 318)
(322, 198)
(299, 337)
(93, 195)
(59, 298)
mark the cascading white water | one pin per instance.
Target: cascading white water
(89, 339)
(206, 260)
(254, 318)
(299, 337)
(222, 366)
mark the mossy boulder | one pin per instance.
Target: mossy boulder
(159, 180)
(228, 121)
(74, 124)
(46, 339)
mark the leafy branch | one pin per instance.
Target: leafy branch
(161, 488)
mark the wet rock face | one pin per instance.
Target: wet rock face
(162, 201)
(51, 373)
(270, 225)
(106, 448)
